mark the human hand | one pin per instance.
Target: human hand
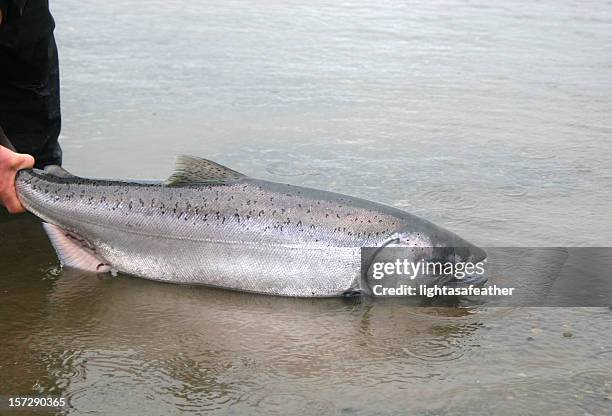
(10, 164)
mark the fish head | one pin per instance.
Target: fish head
(426, 254)
(442, 245)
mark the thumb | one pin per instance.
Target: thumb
(23, 161)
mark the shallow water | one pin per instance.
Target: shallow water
(491, 120)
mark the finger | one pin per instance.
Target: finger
(28, 162)
(12, 204)
(23, 161)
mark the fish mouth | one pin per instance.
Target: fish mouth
(474, 280)
(479, 255)
(468, 252)
(464, 254)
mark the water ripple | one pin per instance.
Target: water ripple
(515, 191)
(288, 169)
(535, 154)
(451, 198)
(594, 382)
(435, 349)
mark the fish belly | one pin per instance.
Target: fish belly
(300, 271)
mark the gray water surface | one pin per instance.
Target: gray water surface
(491, 119)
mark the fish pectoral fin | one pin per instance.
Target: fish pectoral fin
(190, 170)
(73, 251)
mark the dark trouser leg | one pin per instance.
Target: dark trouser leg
(30, 104)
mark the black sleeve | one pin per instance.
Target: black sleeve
(3, 7)
(4, 141)
(18, 6)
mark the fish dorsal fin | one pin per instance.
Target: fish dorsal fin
(193, 170)
(58, 171)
